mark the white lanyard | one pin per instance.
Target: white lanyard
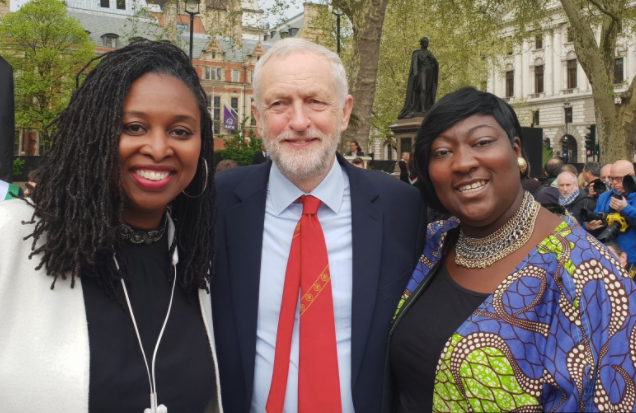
(152, 379)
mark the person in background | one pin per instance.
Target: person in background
(573, 199)
(115, 242)
(528, 184)
(358, 163)
(591, 172)
(313, 254)
(626, 207)
(542, 321)
(260, 157)
(225, 164)
(570, 168)
(355, 149)
(606, 173)
(548, 194)
(32, 183)
(404, 167)
(622, 258)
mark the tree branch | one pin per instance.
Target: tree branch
(605, 11)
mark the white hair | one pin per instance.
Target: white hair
(564, 173)
(290, 45)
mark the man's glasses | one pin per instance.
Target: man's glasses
(616, 179)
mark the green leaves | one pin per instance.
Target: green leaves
(46, 48)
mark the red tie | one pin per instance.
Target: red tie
(308, 270)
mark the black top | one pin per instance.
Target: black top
(421, 334)
(184, 366)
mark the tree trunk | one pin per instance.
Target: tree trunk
(614, 123)
(367, 19)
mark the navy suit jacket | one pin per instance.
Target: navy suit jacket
(388, 231)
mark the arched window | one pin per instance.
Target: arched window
(110, 40)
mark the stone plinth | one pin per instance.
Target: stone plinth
(405, 131)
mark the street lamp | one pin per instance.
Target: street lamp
(568, 114)
(338, 29)
(192, 8)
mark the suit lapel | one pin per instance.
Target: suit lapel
(244, 226)
(366, 222)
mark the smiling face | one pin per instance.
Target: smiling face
(473, 168)
(159, 146)
(299, 115)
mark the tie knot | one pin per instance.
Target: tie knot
(310, 204)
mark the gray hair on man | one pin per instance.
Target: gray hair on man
(565, 174)
(290, 45)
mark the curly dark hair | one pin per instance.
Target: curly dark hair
(78, 203)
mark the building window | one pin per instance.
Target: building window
(210, 73)
(509, 49)
(234, 104)
(209, 99)
(538, 41)
(510, 84)
(535, 118)
(235, 75)
(110, 40)
(217, 115)
(618, 70)
(571, 74)
(104, 3)
(538, 79)
(121, 4)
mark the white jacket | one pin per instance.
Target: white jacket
(44, 350)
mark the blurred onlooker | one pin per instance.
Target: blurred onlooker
(358, 163)
(404, 167)
(355, 149)
(591, 172)
(570, 168)
(594, 194)
(572, 199)
(581, 182)
(548, 194)
(225, 164)
(605, 173)
(260, 157)
(527, 183)
(622, 258)
(34, 179)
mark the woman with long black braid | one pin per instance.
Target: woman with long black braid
(122, 222)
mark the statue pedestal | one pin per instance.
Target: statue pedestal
(405, 131)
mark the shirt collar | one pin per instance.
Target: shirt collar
(284, 193)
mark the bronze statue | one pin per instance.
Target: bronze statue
(422, 84)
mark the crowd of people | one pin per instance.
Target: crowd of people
(133, 278)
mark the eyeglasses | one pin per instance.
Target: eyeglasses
(616, 178)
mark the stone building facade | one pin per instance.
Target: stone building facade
(543, 80)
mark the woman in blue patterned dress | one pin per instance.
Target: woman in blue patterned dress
(510, 308)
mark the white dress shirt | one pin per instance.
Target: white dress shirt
(282, 213)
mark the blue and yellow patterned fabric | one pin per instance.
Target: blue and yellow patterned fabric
(556, 335)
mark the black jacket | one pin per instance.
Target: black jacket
(581, 202)
(386, 246)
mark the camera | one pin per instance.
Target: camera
(599, 187)
(588, 215)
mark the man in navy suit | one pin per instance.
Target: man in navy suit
(373, 226)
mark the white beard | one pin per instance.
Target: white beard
(302, 163)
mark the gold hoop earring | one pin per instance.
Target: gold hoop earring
(206, 181)
(523, 165)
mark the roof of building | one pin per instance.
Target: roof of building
(126, 27)
(295, 22)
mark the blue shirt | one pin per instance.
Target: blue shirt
(626, 240)
(282, 213)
